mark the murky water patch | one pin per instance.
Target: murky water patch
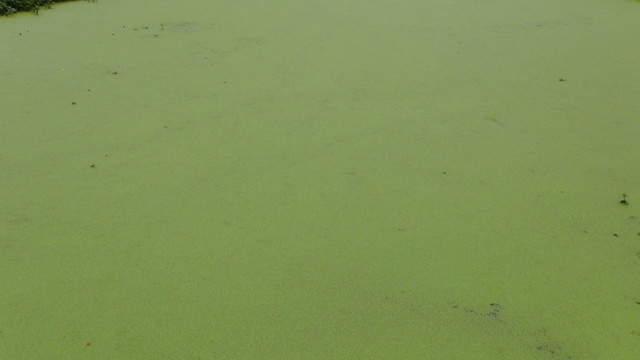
(486, 329)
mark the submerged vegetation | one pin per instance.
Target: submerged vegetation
(8, 7)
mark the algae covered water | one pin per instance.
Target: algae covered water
(320, 180)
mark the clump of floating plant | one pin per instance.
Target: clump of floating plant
(624, 200)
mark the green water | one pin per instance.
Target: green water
(320, 180)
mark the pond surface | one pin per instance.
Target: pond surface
(320, 180)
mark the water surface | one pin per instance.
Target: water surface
(320, 180)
